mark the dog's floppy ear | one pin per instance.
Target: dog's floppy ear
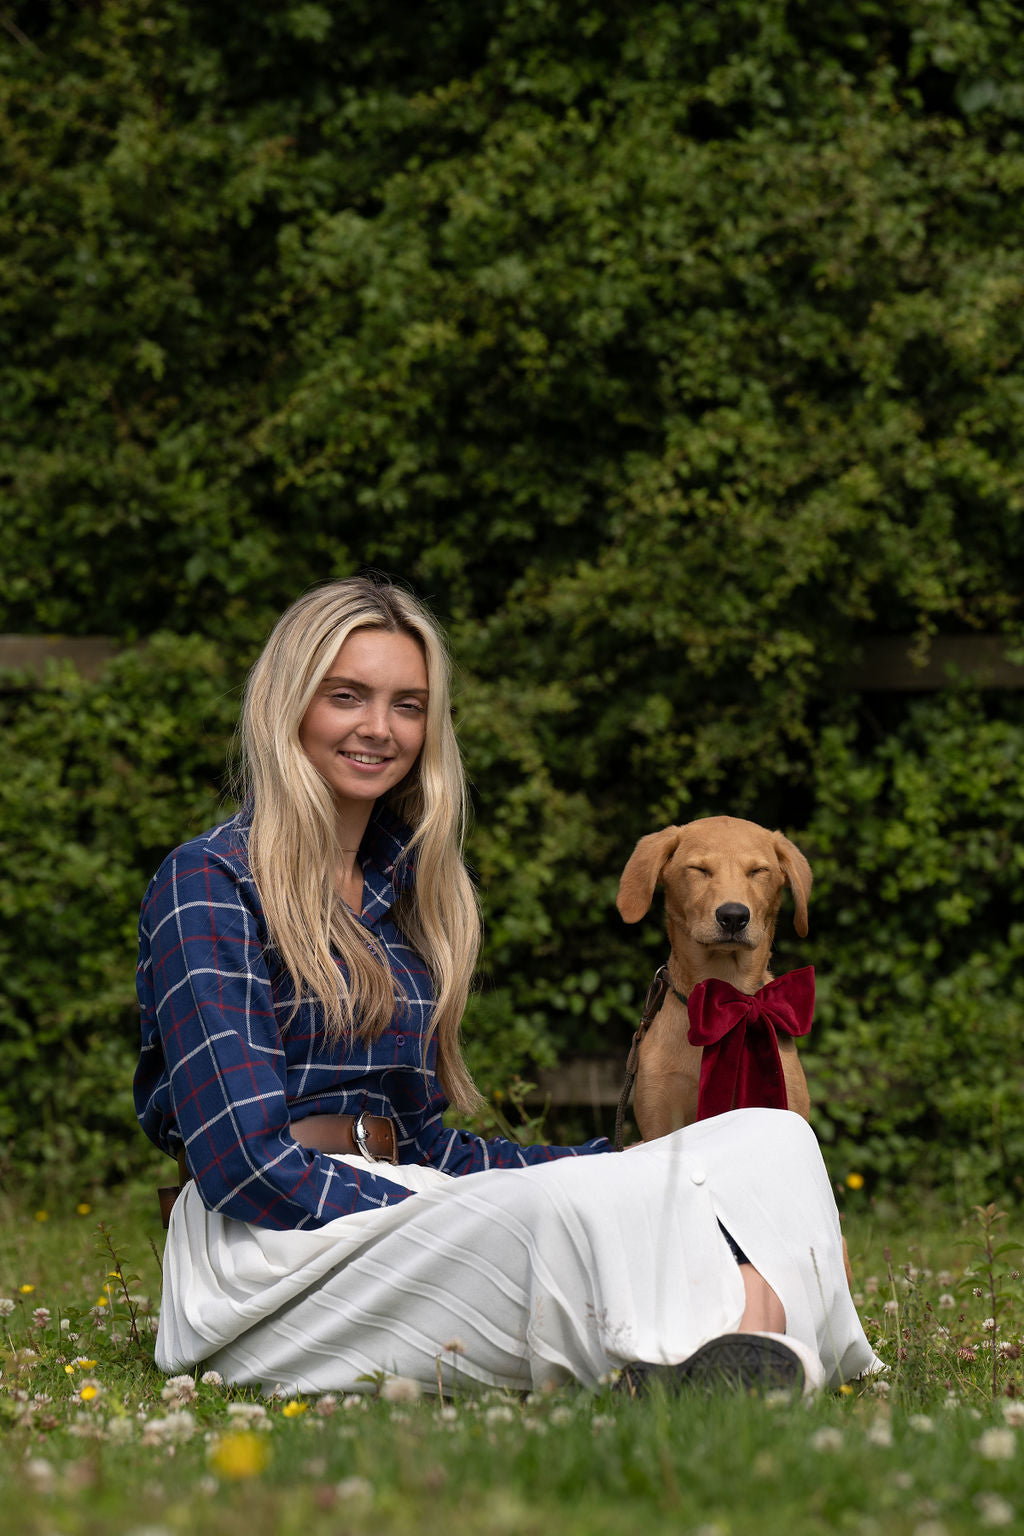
(797, 874)
(640, 875)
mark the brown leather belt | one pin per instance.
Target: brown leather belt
(371, 1136)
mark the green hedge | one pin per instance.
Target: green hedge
(670, 350)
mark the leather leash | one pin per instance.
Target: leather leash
(656, 994)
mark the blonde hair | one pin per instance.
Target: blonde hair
(293, 839)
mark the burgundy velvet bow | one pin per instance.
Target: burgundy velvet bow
(741, 1066)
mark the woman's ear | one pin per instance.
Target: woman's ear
(641, 874)
(797, 874)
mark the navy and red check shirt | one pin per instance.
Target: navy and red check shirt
(222, 1072)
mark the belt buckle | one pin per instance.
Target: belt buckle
(362, 1141)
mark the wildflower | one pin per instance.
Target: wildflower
(7, 1306)
(921, 1422)
(41, 1317)
(891, 1307)
(326, 1405)
(212, 1379)
(174, 1429)
(561, 1415)
(967, 1352)
(989, 1324)
(855, 1181)
(179, 1391)
(27, 1289)
(454, 1347)
(826, 1439)
(252, 1414)
(89, 1391)
(84, 1364)
(448, 1414)
(871, 1285)
(996, 1444)
(945, 1277)
(40, 1475)
(1013, 1413)
(239, 1454)
(42, 1215)
(946, 1301)
(351, 1489)
(500, 1413)
(83, 1208)
(103, 1301)
(1009, 1350)
(293, 1409)
(879, 1432)
(400, 1389)
(977, 1291)
(993, 1509)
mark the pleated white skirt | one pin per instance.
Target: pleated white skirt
(524, 1277)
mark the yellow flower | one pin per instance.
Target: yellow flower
(69, 1370)
(103, 1301)
(42, 1215)
(292, 1409)
(26, 1290)
(84, 1208)
(846, 1390)
(855, 1181)
(88, 1393)
(240, 1454)
(85, 1365)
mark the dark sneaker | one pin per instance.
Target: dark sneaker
(743, 1362)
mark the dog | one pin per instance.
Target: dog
(723, 880)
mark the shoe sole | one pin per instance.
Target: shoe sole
(741, 1362)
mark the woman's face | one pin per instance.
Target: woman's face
(365, 728)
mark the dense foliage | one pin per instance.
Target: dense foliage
(670, 350)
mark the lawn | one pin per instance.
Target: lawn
(95, 1440)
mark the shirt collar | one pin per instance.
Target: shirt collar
(387, 868)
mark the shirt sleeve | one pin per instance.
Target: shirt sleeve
(203, 941)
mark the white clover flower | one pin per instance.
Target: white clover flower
(447, 1414)
(351, 1489)
(871, 1285)
(500, 1413)
(945, 1277)
(120, 1429)
(879, 1432)
(212, 1379)
(41, 1317)
(891, 1307)
(175, 1429)
(826, 1439)
(179, 1391)
(602, 1421)
(993, 1509)
(996, 1444)
(247, 1413)
(989, 1324)
(40, 1475)
(1013, 1412)
(921, 1422)
(561, 1415)
(7, 1306)
(946, 1301)
(400, 1389)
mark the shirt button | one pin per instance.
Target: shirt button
(698, 1175)
(399, 1039)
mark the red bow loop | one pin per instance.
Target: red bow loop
(741, 1067)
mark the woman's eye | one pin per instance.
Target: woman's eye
(342, 696)
(412, 704)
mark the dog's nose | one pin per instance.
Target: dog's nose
(732, 917)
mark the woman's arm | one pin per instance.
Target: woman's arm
(212, 1069)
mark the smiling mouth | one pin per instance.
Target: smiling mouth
(370, 758)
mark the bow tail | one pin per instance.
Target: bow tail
(743, 1070)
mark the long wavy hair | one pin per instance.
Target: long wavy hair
(293, 838)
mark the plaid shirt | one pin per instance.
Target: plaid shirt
(220, 1072)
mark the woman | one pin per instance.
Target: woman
(303, 970)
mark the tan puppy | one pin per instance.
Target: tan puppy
(723, 881)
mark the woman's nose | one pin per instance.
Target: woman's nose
(374, 722)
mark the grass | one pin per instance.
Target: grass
(95, 1440)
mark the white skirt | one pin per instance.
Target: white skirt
(521, 1278)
